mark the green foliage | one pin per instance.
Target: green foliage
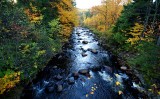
(147, 61)
(25, 46)
(119, 38)
(55, 28)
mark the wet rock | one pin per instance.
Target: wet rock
(55, 67)
(123, 68)
(94, 51)
(96, 68)
(58, 77)
(76, 75)
(129, 72)
(59, 58)
(107, 68)
(49, 89)
(77, 33)
(59, 88)
(28, 89)
(85, 42)
(89, 49)
(83, 50)
(71, 80)
(84, 71)
(84, 54)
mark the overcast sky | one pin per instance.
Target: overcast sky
(86, 4)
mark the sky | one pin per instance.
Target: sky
(86, 4)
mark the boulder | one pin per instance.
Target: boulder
(59, 88)
(71, 80)
(49, 89)
(58, 77)
(94, 51)
(108, 69)
(84, 54)
(96, 68)
(84, 71)
(123, 68)
(78, 33)
(75, 74)
(89, 49)
(55, 67)
(85, 42)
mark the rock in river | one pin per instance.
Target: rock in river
(49, 89)
(58, 77)
(71, 80)
(94, 51)
(84, 71)
(123, 68)
(75, 75)
(55, 67)
(59, 88)
(96, 68)
(85, 42)
(84, 54)
(108, 69)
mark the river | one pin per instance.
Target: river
(87, 71)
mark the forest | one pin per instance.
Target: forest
(33, 31)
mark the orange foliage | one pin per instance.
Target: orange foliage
(68, 17)
(33, 14)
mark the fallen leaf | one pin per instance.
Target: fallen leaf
(116, 75)
(158, 92)
(118, 83)
(149, 89)
(92, 92)
(154, 85)
(120, 92)
(86, 95)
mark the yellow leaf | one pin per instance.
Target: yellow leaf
(86, 95)
(118, 83)
(116, 75)
(158, 92)
(149, 89)
(120, 92)
(92, 92)
(154, 85)
(19, 73)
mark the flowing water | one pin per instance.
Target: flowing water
(104, 80)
